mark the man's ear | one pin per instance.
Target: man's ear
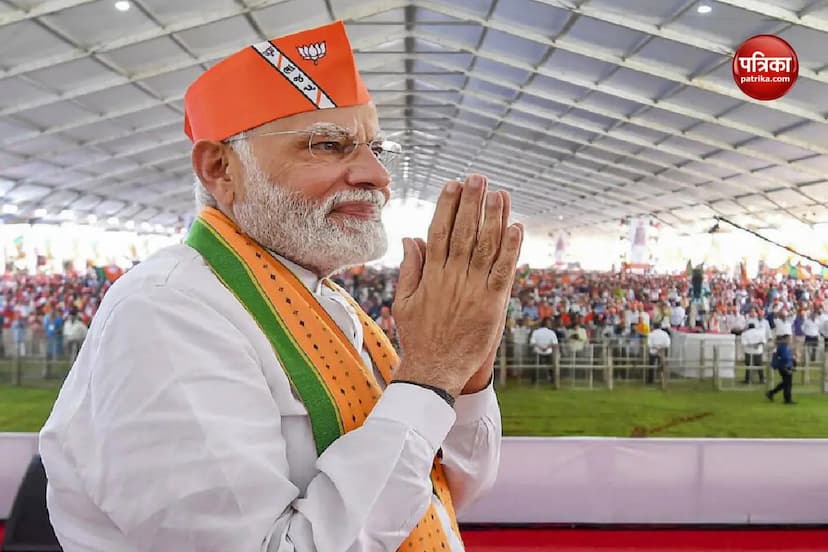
(211, 163)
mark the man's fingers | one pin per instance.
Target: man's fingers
(423, 247)
(439, 231)
(411, 269)
(503, 269)
(489, 238)
(466, 223)
(507, 208)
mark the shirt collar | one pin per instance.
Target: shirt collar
(308, 277)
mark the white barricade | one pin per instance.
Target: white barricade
(599, 480)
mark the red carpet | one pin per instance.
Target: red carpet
(582, 540)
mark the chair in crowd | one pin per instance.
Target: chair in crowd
(28, 528)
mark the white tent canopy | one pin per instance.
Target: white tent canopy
(589, 111)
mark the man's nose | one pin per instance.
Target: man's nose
(366, 171)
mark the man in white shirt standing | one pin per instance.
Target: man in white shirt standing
(544, 344)
(810, 327)
(520, 333)
(736, 321)
(677, 315)
(823, 330)
(753, 344)
(229, 397)
(782, 324)
(658, 343)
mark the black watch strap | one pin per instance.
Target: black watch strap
(442, 393)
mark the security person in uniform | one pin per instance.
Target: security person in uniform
(784, 362)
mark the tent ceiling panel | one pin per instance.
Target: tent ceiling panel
(775, 121)
(818, 191)
(87, 24)
(730, 26)
(727, 207)
(94, 131)
(294, 15)
(219, 35)
(788, 198)
(478, 8)
(25, 41)
(171, 13)
(172, 83)
(36, 146)
(653, 11)
(670, 53)
(144, 56)
(598, 34)
(806, 132)
(810, 44)
(702, 101)
(536, 14)
(12, 89)
(26, 192)
(463, 32)
(113, 99)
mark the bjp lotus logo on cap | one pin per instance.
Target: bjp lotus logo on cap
(313, 52)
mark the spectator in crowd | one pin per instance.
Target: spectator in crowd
(387, 324)
(34, 306)
(577, 338)
(782, 325)
(658, 343)
(810, 328)
(677, 314)
(530, 311)
(823, 330)
(753, 343)
(717, 323)
(798, 331)
(736, 321)
(662, 312)
(520, 341)
(74, 333)
(558, 328)
(19, 333)
(544, 342)
(53, 325)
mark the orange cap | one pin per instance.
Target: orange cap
(305, 71)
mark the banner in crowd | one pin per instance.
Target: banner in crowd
(560, 248)
(642, 236)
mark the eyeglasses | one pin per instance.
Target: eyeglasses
(335, 146)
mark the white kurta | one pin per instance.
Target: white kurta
(177, 430)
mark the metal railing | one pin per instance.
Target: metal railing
(627, 361)
(33, 358)
(605, 364)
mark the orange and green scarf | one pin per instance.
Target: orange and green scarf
(324, 368)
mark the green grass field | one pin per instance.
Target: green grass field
(541, 411)
(24, 408)
(629, 412)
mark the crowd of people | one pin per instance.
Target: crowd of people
(48, 314)
(579, 307)
(547, 307)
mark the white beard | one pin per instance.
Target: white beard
(299, 229)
